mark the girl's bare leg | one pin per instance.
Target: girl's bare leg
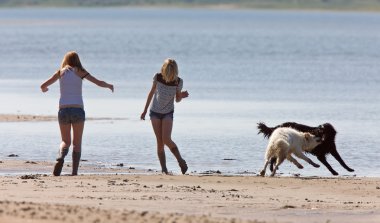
(77, 145)
(167, 126)
(64, 147)
(157, 127)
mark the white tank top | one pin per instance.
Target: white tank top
(71, 88)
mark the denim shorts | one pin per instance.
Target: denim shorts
(71, 115)
(155, 115)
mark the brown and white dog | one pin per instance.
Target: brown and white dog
(287, 141)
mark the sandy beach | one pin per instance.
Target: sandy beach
(128, 195)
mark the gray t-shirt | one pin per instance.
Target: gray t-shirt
(163, 99)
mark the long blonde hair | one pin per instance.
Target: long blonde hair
(169, 70)
(71, 59)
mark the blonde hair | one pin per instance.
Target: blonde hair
(71, 59)
(169, 70)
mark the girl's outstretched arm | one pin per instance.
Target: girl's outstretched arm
(100, 83)
(50, 81)
(148, 100)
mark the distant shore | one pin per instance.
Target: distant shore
(128, 195)
(334, 5)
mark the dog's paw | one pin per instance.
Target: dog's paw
(262, 173)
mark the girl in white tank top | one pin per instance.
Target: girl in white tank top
(70, 84)
(71, 113)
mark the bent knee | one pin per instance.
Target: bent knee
(65, 144)
(167, 141)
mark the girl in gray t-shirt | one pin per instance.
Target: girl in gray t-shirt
(167, 86)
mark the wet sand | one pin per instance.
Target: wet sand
(25, 118)
(123, 194)
(41, 118)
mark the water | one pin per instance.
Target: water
(240, 67)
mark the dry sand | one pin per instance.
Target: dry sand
(127, 195)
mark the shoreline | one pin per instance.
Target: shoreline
(43, 118)
(25, 118)
(13, 165)
(141, 196)
(18, 167)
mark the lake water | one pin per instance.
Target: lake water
(240, 67)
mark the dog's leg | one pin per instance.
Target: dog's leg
(294, 161)
(336, 155)
(274, 170)
(262, 173)
(302, 156)
(323, 160)
(272, 163)
(280, 159)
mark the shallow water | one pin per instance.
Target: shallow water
(240, 67)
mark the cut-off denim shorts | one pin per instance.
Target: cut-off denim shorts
(71, 115)
(155, 115)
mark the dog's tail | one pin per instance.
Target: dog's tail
(265, 130)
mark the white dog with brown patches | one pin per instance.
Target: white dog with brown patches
(285, 141)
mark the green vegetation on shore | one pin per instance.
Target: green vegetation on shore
(362, 5)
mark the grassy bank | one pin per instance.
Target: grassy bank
(356, 5)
